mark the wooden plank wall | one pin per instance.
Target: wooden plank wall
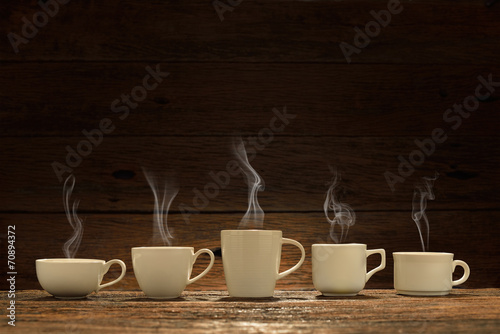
(233, 77)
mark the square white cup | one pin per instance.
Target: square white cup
(340, 269)
(164, 272)
(251, 260)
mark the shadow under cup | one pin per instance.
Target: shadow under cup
(426, 273)
(251, 260)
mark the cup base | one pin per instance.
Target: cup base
(339, 294)
(70, 298)
(422, 293)
(160, 298)
(251, 295)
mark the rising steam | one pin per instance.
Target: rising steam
(163, 199)
(344, 214)
(254, 217)
(420, 197)
(71, 246)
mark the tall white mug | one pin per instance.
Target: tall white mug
(251, 260)
(164, 272)
(426, 273)
(340, 269)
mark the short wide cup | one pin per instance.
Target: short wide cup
(340, 269)
(74, 278)
(426, 273)
(251, 260)
(164, 272)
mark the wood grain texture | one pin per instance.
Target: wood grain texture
(377, 311)
(467, 234)
(63, 99)
(429, 32)
(225, 79)
(295, 171)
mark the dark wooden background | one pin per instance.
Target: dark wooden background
(225, 79)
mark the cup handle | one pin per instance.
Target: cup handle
(297, 266)
(382, 264)
(195, 256)
(466, 272)
(106, 268)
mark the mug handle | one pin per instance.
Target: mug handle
(382, 264)
(105, 270)
(466, 272)
(297, 266)
(195, 256)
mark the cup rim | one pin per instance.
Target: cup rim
(254, 230)
(338, 245)
(422, 253)
(162, 247)
(69, 260)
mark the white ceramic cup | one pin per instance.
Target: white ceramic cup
(74, 278)
(340, 269)
(426, 273)
(251, 260)
(164, 272)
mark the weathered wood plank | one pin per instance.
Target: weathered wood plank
(380, 311)
(467, 234)
(255, 31)
(63, 99)
(294, 169)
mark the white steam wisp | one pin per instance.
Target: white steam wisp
(254, 217)
(419, 204)
(71, 246)
(164, 197)
(344, 215)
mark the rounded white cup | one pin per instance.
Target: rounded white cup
(164, 272)
(426, 273)
(340, 269)
(74, 278)
(251, 260)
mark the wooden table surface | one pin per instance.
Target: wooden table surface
(373, 311)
